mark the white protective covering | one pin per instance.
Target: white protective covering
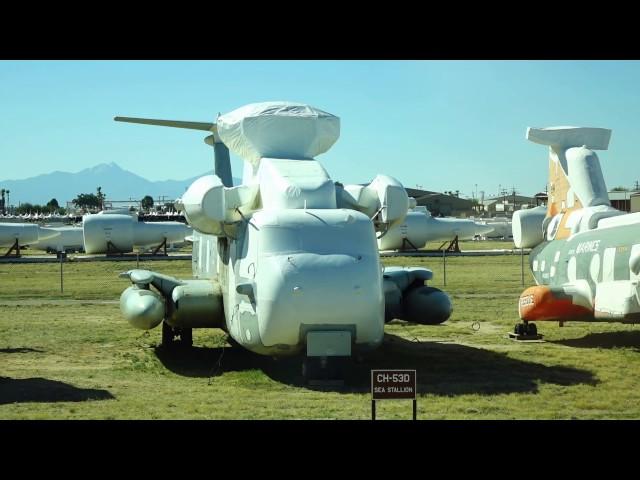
(208, 204)
(124, 232)
(565, 137)
(278, 130)
(68, 237)
(527, 227)
(316, 267)
(590, 217)
(418, 228)
(617, 299)
(384, 195)
(288, 183)
(25, 233)
(585, 176)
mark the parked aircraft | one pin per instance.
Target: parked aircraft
(100, 233)
(502, 228)
(419, 227)
(69, 238)
(586, 260)
(16, 235)
(120, 233)
(287, 262)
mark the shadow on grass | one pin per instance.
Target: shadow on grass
(21, 350)
(14, 390)
(629, 339)
(442, 368)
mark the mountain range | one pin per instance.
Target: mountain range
(116, 183)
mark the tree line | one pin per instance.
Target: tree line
(51, 207)
(87, 202)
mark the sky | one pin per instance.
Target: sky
(437, 125)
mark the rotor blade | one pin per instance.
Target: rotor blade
(208, 127)
(221, 152)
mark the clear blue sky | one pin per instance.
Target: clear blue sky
(443, 125)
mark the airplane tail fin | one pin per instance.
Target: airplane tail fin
(575, 176)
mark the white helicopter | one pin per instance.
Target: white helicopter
(287, 262)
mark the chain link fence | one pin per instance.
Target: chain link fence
(80, 278)
(76, 278)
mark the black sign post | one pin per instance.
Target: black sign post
(393, 385)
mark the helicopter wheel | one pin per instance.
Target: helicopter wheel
(324, 368)
(186, 337)
(167, 335)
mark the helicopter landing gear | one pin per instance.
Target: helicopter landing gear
(525, 331)
(170, 333)
(324, 371)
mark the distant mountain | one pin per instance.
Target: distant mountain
(116, 183)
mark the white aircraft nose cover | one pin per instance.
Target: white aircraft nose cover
(278, 130)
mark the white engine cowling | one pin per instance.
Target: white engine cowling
(527, 227)
(384, 196)
(203, 205)
(25, 233)
(208, 205)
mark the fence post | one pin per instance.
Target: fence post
(522, 266)
(60, 254)
(444, 266)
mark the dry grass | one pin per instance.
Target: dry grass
(84, 361)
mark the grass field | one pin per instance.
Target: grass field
(71, 355)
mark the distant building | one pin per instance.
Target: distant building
(541, 198)
(635, 202)
(622, 200)
(505, 205)
(442, 205)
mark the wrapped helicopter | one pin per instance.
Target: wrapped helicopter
(287, 262)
